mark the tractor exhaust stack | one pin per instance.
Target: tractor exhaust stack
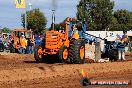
(53, 20)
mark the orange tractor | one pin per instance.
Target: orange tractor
(69, 47)
(16, 33)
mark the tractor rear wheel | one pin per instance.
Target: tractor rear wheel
(63, 54)
(77, 51)
(38, 53)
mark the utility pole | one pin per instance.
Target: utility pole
(53, 19)
(25, 17)
(30, 5)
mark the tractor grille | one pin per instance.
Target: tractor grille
(51, 40)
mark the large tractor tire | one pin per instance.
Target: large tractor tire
(38, 53)
(77, 51)
(63, 54)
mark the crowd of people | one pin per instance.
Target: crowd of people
(25, 44)
(4, 42)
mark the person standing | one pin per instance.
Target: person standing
(23, 43)
(121, 45)
(30, 46)
(124, 38)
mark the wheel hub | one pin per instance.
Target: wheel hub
(40, 52)
(65, 54)
(82, 52)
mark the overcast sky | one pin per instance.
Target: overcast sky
(11, 17)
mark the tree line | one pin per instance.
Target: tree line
(98, 14)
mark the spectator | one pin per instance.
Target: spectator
(23, 43)
(37, 40)
(16, 41)
(124, 38)
(121, 45)
(30, 46)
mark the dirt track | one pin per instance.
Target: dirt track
(22, 71)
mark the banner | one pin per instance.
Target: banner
(20, 3)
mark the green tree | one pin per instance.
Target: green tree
(114, 25)
(124, 18)
(35, 20)
(6, 30)
(97, 13)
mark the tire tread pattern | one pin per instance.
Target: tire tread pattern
(74, 51)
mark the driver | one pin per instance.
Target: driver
(75, 32)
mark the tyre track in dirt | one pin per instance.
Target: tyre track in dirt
(47, 74)
(22, 71)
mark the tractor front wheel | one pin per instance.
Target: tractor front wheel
(63, 54)
(38, 53)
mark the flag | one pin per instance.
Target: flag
(84, 74)
(20, 3)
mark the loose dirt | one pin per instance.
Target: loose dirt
(21, 71)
